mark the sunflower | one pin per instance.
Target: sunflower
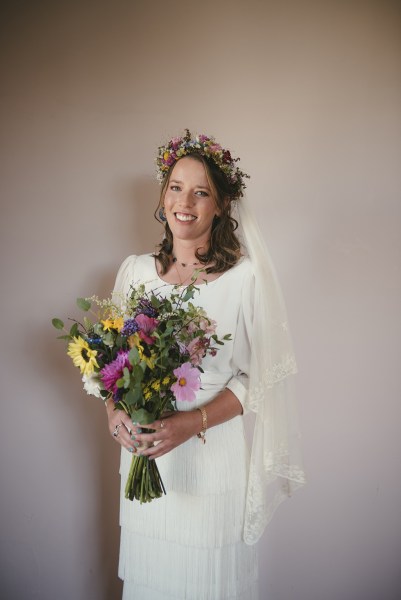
(82, 355)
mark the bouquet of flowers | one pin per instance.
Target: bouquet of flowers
(144, 351)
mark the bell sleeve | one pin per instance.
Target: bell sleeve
(242, 346)
(125, 278)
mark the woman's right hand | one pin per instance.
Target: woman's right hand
(121, 427)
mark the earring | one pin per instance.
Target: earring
(162, 214)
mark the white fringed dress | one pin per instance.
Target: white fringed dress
(188, 545)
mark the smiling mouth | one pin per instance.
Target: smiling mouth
(184, 217)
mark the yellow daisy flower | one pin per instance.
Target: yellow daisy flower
(156, 385)
(109, 324)
(166, 380)
(135, 340)
(82, 355)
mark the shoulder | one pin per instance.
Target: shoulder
(136, 262)
(134, 268)
(243, 270)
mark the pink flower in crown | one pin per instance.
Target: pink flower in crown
(146, 326)
(170, 159)
(188, 382)
(176, 142)
(203, 138)
(215, 148)
(227, 156)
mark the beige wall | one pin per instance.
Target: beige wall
(308, 94)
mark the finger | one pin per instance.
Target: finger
(156, 425)
(156, 451)
(150, 438)
(123, 436)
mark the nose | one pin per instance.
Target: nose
(186, 199)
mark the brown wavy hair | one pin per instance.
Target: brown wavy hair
(224, 248)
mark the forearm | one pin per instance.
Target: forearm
(180, 426)
(223, 407)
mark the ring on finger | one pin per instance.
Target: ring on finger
(116, 430)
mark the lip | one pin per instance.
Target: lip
(186, 217)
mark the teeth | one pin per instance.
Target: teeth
(182, 217)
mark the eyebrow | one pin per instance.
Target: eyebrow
(203, 187)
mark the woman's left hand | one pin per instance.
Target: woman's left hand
(169, 432)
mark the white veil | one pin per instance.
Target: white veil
(275, 466)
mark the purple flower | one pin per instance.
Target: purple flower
(114, 371)
(227, 156)
(130, 327)
(145, 307)
(146, 326)
(188, 382)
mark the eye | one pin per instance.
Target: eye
(202, 193)
(175, 188)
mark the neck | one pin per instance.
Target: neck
(186, 254)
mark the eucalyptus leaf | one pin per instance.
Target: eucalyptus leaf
(126, 377)
(57, 323)
(137, 373)
(87, 324)
(133, 356)
(188, 295)
(83, 304)
(74, 332)
(129, 398)
(108, 339)
(142, 416)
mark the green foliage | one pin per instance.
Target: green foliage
(142, 416)
(144, 384)
(74, 331)
(84, 304)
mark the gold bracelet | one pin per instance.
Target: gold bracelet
(202, 434)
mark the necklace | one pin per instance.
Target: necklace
(182, 281)
(185, 264)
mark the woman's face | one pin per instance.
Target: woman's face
(189, 204)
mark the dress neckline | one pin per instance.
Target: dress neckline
(206, 283)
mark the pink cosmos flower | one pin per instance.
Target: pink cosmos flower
(114, 370)
(188, 382)
(146, 326)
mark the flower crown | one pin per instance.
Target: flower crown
(206, 146)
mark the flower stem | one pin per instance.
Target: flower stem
(144, 482)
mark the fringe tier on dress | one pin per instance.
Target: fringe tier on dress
(188, 545)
